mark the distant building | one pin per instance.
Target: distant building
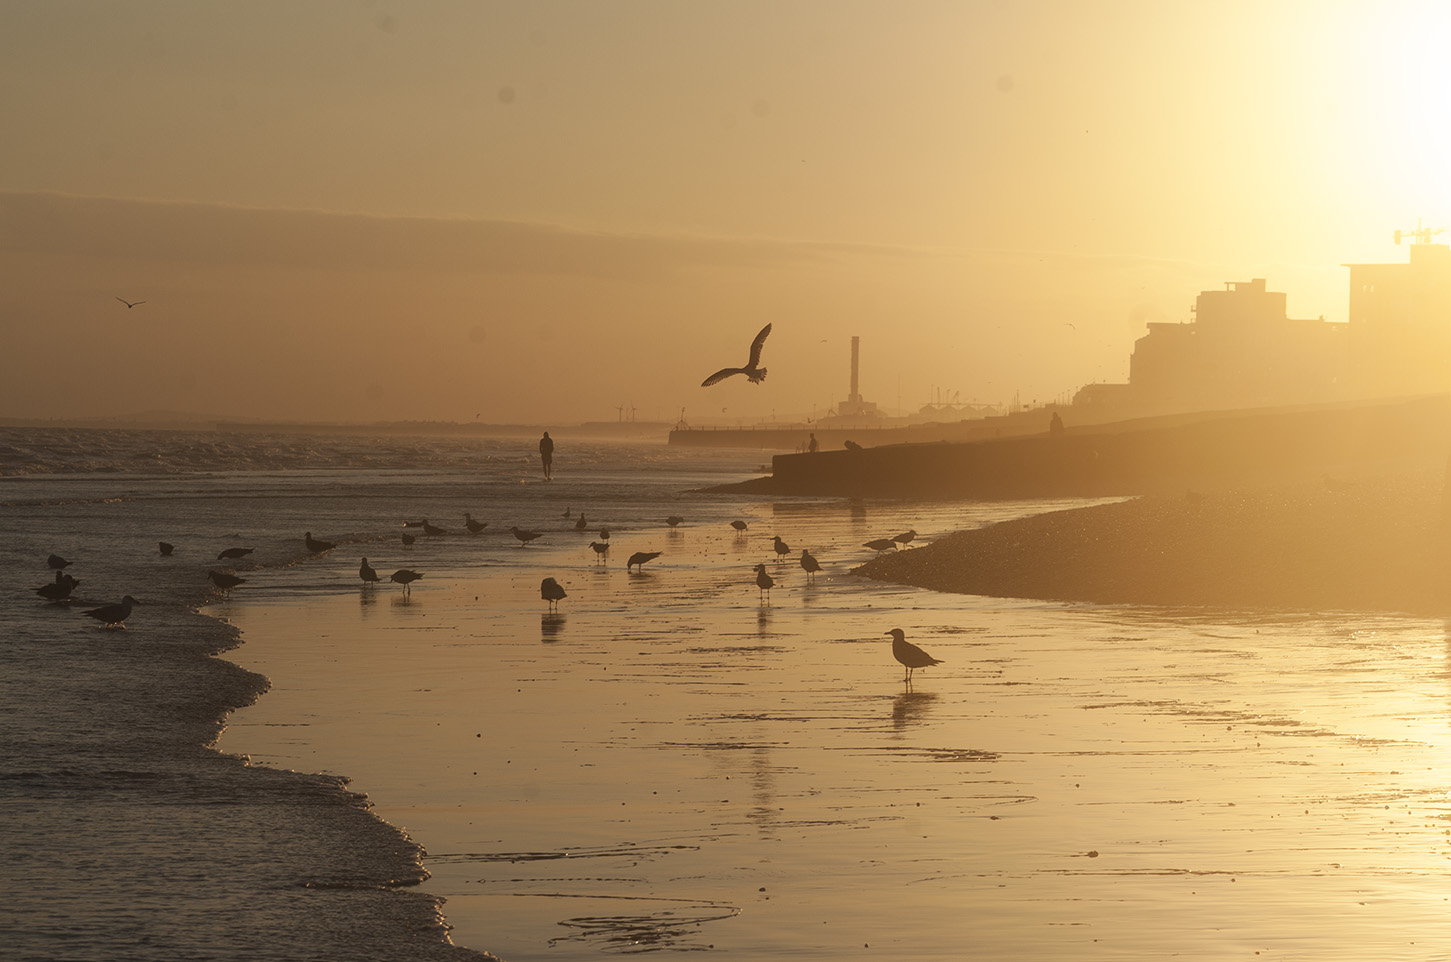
(1400, 324)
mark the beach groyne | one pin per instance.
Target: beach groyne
(1205, 451)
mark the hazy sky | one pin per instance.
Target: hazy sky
(541, 210)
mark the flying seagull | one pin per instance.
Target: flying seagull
(753, 372)
(129, 303)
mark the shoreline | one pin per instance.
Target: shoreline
(1372, 544)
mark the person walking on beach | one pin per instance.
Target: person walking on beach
(812, 446)
(546, 454)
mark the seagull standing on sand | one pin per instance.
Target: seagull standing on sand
(880, 545)
(430, 529)
(552, 591)
(57, 562)
(640, 557)
(233, 553)
(408, 538)
(474, 526)
(906, 537)
(602, 548)
(113, 616)
(405, 577)
(369, 576)
(739, 525)
(524, 536)
(673, 520)
(782, 548)
(316, 546)
(810, 565)
(58, 590)
(909, 654)
(166, 547)
(581, 523)
(764, 582)
(753, 371)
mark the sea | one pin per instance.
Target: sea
(676, 759)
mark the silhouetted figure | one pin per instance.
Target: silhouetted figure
(753, 371)
(432, 530)
(231, 554)
(524, 536)
(673, 520)
(129, 303)
(474, 526)
(909, 654)
(405, 577)
(546, 454)
(810, 565)
(369, 576)
(604, 534)
(166, 547)
(906, 537)
(764, 583)
(851, 445)
(57, 562)
(581, 523)
(881, 544)
(552, 592)
(738, 525)
(640, 557)
(782, 548)
(812, 446)
(58, 590)
(1055, 425)
(224, 580)
(408, 538)
(601, 549)
(316, 546)
(113, 616)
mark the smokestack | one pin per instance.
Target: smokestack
(855, 396)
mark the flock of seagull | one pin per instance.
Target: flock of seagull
(550, 590)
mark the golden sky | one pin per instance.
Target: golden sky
(541, 210)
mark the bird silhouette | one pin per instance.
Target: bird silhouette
(906, 537)
(753, 371)
(366, 572)
(880, 545)
(524, 536)
(113, 615)
(764, 582)
(581, 523)
(409, 538)
(604, 534)
(432, 530)
(316, 546)
(234, 553)
(673, 520)
(405, 577)
(166, 547)
(224, 580)
(739, 525)
(809, 564)
(640, 557)
(58, 590)
(474, 526)
(128, 303)
(57, 562)
(782, 548)
(909, 654)
(602, 548)
(552, 592)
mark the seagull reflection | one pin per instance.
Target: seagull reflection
(763, 622)
(909, 707)
(550, 626)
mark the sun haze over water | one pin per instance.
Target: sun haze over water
(539, 211)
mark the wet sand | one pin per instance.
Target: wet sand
(672, 763)
(1369, 544)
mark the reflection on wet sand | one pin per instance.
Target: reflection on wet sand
(550, 626)
(910, 707)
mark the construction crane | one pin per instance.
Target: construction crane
(1421, 235)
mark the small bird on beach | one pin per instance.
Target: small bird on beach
(880, 545)
(57, 562)
(640, 557)
(905, 538)
(581, 523)
(166, 547)
(405, 577)
(58, 590)
(316, 546)
(233, 553)
(223, 580)
(567, 512)
(909, 654)
(474, 526)
(673, 520)
(552, 592)
(764, 582)
(128, 303)
(753, 371)
(409, 538)
(739, 525)
(369, 576)
(524, 536)
(810, 565)
(601, 549)
(782, 548)
(432, 530)
(113, 616)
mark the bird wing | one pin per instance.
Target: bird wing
(756, 346)
(721, 375)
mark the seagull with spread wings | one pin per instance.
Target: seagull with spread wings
(753, 371)
(129, 303)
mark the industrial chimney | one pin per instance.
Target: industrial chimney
(854, 397)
